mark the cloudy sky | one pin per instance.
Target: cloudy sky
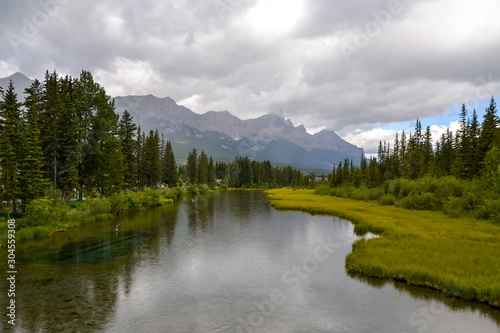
(364, 68)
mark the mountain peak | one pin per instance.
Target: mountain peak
(21, 82)
(18, 76)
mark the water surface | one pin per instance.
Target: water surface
(226, 263)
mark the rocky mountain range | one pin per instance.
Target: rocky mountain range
(224, 136)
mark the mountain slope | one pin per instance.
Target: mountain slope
(20, 81)
(225, 136)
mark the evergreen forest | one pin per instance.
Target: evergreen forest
(458, 173)
(66, 138)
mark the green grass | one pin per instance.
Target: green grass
(460, 256)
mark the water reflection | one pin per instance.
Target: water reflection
(201, 214)
(71, 282)
(430, 296)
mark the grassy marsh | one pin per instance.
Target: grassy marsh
(460, 256)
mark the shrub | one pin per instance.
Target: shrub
(375, 193)
(99, 206)
(150, 198)
(455, 206)
(133, 200)
(40, 212)
(426, 201)
(449, 186)
(399, 188)
(490, 210)
(323, 189)
(164, 201)
(387, 200)
(119, 203)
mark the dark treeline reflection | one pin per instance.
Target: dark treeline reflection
(427, 294)
(201, 213)
(71, 282)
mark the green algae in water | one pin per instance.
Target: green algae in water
(90, 250)
(99, 249)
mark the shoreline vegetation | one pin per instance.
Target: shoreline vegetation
(51, 214)
(458, 256)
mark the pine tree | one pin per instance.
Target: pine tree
(203, 168)
(49, 118)
(126, 132)
(488, 130)
(373, 174)
(404, 156)
(428, 167)
(140, 178)
(211, 173)
(86, 91)
(69, 151)
(31, 176)
(10, 152)
(415, 152)
(191, 167)
(396, 163)
(103, 162)
(151, 160)
(474, 131)
(170, 175)
(444, 154)
(461, 163)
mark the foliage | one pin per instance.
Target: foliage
(43, 212)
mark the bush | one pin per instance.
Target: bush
(449, 186)
(387, 200)
(133, 200)
(119, 203)
(149, 198)
(489, 210)
(99, 206)
(455, 206)
(164, 201)
(399, 188)
(426, 201)
(41, 212)
(375, 193)
(323, 189)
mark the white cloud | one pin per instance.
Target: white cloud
(369, 139)
(275, 56)
(7, 69)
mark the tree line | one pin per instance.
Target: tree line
(458, 173)
(66, 136)
(469, 153)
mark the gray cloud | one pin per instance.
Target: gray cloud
(234, 55)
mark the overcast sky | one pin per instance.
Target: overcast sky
(364, 68)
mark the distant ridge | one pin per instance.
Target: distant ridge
(224, 136)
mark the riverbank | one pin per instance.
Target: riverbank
(459, 256)
(51, 215)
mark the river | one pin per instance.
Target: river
(226, 262)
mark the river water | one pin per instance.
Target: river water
(224, 263)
